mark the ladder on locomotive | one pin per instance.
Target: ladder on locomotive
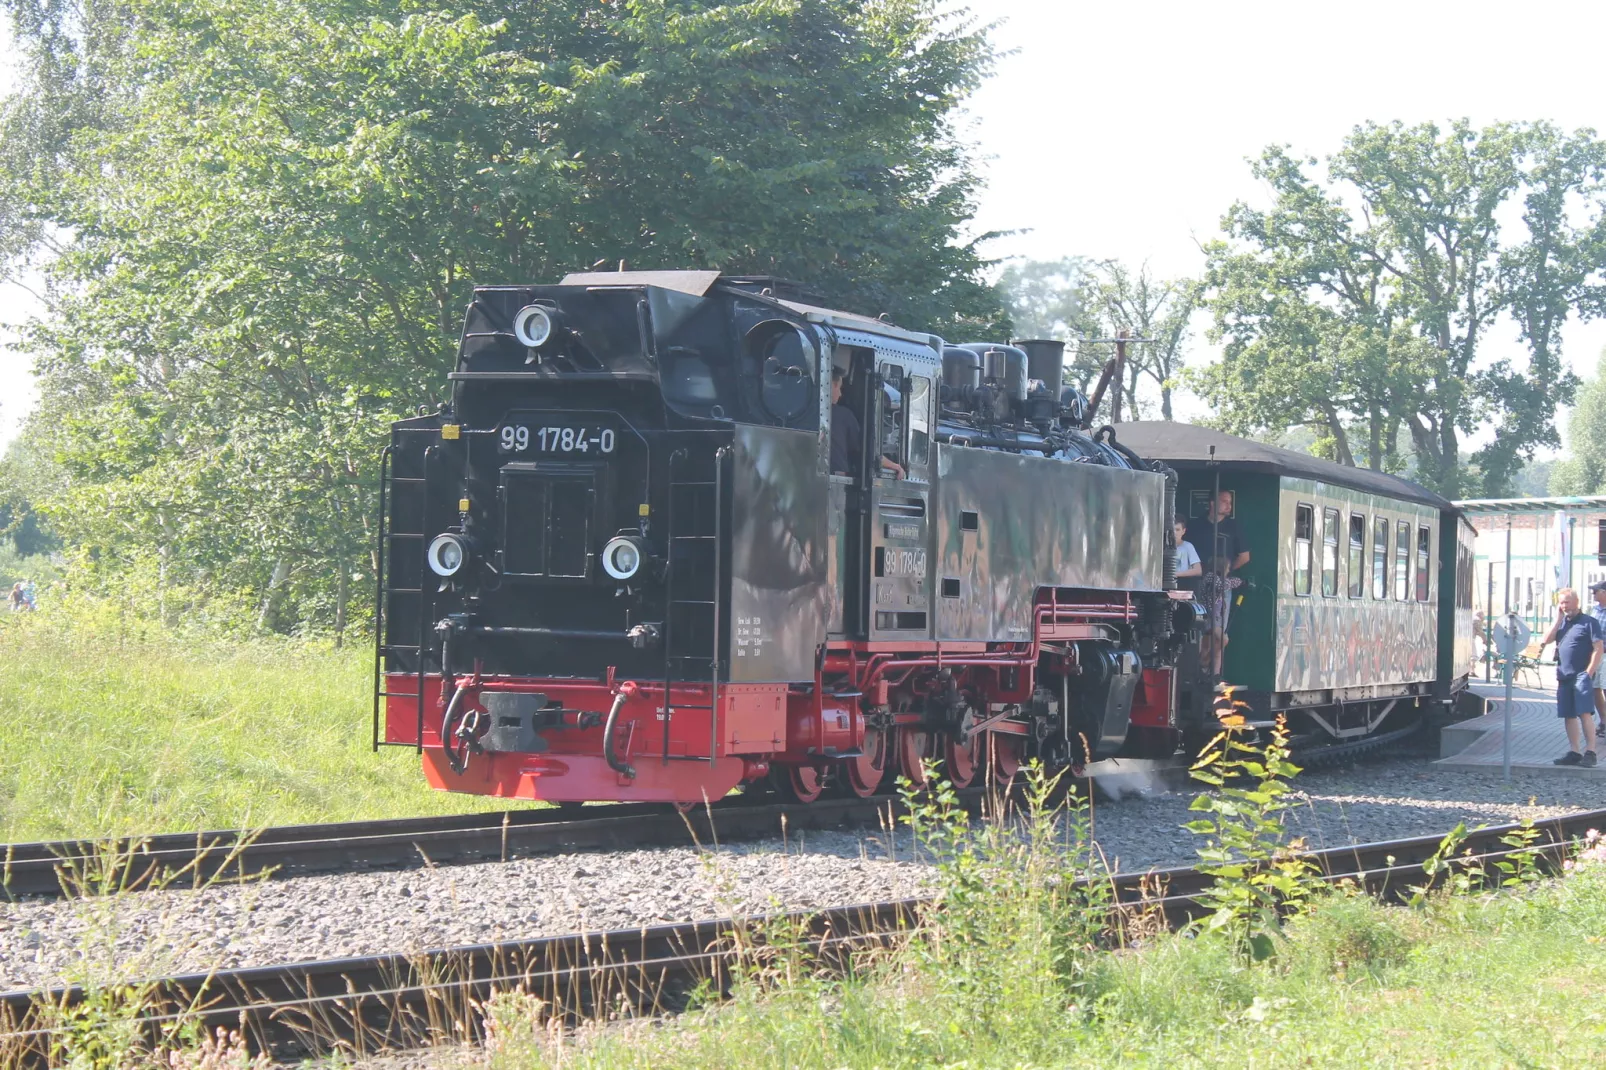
(693, 524)
(385, 553)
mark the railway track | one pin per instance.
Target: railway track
(395, 1001)
(53, 869)
(74, 867)
(69, 867)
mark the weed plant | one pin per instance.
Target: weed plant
(1020, 966)
(107, 733)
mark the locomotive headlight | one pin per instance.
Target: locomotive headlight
(622, 557)
(533, 326)
(447, 554)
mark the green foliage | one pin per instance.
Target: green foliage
(259, 222)
(1256, 874)
(1049, 298)
(117, 727)
(1372, 297)
(1355, 984)
(1583, 469)
(1023, 904)
(1078, 300)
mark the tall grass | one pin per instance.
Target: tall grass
(166, 732)
(1021, 969)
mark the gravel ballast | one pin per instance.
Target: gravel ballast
(45, 943)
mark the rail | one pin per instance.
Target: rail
(401, 1001)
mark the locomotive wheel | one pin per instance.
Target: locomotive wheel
(962, 761)
(799, 783)
(1005, 752)
(863, 775)
(913, 748)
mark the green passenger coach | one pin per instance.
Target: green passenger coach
(1356, 604)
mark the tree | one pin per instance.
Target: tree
(1372, 297)
(261, 219)
(1048, 298)
(1084, 301)
(1149, 308)
(1583, 469)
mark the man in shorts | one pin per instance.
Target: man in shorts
(1578, 642)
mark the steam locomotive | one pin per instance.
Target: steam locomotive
(623, 564)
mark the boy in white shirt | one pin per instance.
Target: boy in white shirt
(1187, 557)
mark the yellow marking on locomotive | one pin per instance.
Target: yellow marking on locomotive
(451, 432)
(462, 505)
(643, 509)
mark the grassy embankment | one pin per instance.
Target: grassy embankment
(1021, 969)
(1517, 980)
(166, 734)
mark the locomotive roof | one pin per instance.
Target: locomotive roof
(1187, 447)
(784, 292)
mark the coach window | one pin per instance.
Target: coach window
(1424, 553)
(1380, 558)
(1357, 555)
(1402, 561)
(1330, 553)
(1304, 520)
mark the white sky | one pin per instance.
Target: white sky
(1122, 130)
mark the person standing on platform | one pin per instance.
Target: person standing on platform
(1578, 640)
(1597, 609)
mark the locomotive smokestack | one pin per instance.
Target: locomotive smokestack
(1045, 360)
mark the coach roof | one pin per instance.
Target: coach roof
(1186, 447)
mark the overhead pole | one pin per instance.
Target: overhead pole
(1120, 374)
(1114, 371)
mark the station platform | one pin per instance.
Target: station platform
(1537, 735)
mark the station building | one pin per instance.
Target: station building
(1529, 548)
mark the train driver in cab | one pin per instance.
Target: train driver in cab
(847, 434)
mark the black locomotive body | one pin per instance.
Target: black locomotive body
(619, 565)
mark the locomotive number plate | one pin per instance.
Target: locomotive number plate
(556, 438)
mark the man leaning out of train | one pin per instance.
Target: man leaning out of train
(1578, 639)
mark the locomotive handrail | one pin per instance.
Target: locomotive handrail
(720, 456)
(379, 588)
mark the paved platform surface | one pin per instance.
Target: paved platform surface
(1537, 735)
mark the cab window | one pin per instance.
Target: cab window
(894, 426)
(919, 419)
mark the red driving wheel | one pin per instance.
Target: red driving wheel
(799, 783)
(1006, 752)
(863, 775)
(913, 748)
(961, 761)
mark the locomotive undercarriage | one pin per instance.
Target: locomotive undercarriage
(874, 712)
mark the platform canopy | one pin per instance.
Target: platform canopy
(1589, 503)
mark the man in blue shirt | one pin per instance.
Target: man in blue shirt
(1578, 650)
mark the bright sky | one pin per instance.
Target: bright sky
(1122, 130)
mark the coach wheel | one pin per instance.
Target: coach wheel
(799, 783)
(914, 747)
(863, 775)
(962, 760)
(1006, 752)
